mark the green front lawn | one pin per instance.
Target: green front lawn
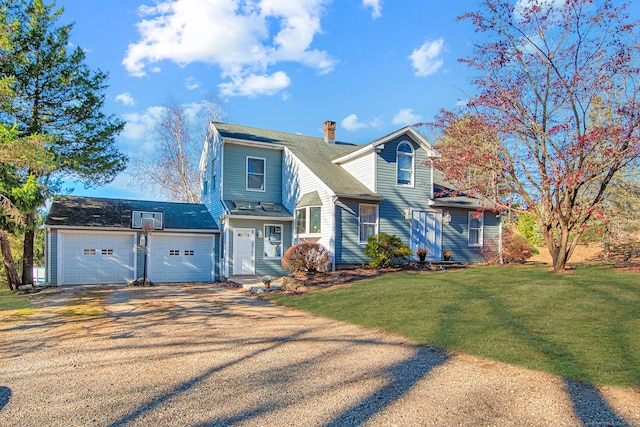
(583, 325)
(12, 301)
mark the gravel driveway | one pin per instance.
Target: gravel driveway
(204, 355)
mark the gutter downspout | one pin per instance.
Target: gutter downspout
(432, 171)
(332, 238)
(500, 241)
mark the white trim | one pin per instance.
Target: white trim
(377, 223)
(471, 214)
(380, 142)
(259, 218)
(264, 174)
(264, 239)
(413, 163)
(332, 233)
(307, 216)
(268, 145)
(301, 164)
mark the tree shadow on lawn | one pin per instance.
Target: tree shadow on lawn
(588, 403)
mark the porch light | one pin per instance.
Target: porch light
(446, 218)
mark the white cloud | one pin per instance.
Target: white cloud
(139, 126)
(243, 38)
(351, 123)
(191, 83)
(125, 98)
(376, 8)
(406, 117)
(427, 59)
(254, 85)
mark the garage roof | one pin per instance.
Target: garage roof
(76, 211)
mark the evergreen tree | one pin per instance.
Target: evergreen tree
(56, 103)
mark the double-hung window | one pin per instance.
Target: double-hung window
(368, 222)
(255, 173)
(476, 226)
(309, 220)
(273, 241)
(405, 164)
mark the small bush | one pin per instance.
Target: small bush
(515, 248)
(385, 249)
(306, 258)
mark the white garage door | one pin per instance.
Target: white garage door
(180, 258)
(95, 258)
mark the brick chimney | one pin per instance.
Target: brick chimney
(330, 132)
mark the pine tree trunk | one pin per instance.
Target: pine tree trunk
(27, 253)
(7, 260)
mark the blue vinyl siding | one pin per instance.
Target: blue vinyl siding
(52, 274)
(455, 236)
(235, 174)
(348, 248)
(212, 200)
(397, 199)
(139, 257)
(263, 265)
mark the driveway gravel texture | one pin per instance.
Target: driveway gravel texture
(206, 355)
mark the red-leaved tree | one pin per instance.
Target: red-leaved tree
(556, 113)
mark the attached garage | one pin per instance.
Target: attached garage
(96, 258)
(93, 240)
(180, 258)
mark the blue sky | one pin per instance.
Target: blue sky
(373, 66)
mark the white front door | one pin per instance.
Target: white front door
(244, 251)
(426, 232)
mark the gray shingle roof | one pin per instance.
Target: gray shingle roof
(445, 195)
(314, 152)
(76, 211)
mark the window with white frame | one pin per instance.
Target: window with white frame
(405, 164)
(273, 241)
(255, 173)
(205, 187)
(476, 228)
(368, 222)
(309, 220)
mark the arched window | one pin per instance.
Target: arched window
(405, 164)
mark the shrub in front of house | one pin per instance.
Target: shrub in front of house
(386, 249)
(515, 248)
(306, 258)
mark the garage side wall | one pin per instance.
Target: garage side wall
(52, 258)
(139, 257)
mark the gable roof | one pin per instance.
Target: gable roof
(379, 144)
(76, 211)
(315, 153)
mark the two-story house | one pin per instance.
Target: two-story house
(269, 190)
(263, 191)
